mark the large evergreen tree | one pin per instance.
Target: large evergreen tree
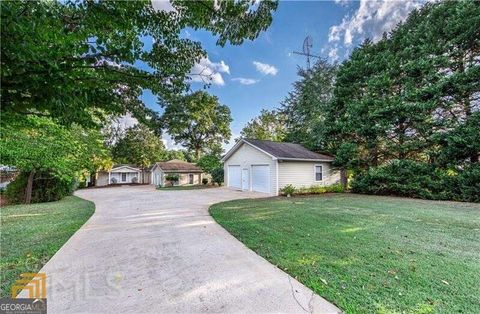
(304, 106)
(410, 100)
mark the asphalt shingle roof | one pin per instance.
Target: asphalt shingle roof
(283, 150)
(178, 166)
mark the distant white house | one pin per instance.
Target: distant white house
(123, 174)
(188, 173)
(267, 166)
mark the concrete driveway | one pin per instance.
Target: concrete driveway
(149, 251)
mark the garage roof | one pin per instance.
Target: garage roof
(281, 150)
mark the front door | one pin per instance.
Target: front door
(245, 180)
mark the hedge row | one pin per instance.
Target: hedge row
(420, 180)
(314, 189)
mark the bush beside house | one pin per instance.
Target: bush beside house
(172, 178)
(290, 190)
(217, 176)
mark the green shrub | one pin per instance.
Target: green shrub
(420, 180)
(46, 188)
(205, 181)
(288, 190)
(334, 188)
(217, 176)
(468, 184)
(208, 163)
(173, 178)
(314, 189)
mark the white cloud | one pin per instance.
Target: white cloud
(170, 143)
(264, 68)
(371, 20)
(245, 81)
(343, 3)
(127, 121)
(207, 71)
(163, 5)
(333, 54)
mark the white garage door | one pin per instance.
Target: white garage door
(234, 177)
(261, 179)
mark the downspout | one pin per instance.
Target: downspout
(276, 174)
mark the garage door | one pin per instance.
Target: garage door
(234, 177)
(261, 179)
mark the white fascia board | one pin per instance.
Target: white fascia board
(237, 145)
(303, 159)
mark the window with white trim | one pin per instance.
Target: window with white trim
(318, 173)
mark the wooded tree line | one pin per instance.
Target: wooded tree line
(69, 67)
(402, 114)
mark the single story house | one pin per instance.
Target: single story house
(123, 174)
(267, 166)
(188, 173)
(131, 174)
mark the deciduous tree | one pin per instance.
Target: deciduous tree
(269, 125)
(139, 146)
(198, 122)
(76, 61)
(39, 145)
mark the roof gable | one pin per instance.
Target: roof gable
(280, 150)
(116, 168)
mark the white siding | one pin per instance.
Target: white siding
(301, 174)
(245, 157)
(129, 176)
(184, 178)
(156, 176)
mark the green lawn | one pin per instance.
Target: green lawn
(368, 253)
(31, 234)
(186, 187)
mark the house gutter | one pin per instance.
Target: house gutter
(303, 159)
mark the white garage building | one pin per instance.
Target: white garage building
(267, 166)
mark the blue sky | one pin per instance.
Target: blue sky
(268, 64)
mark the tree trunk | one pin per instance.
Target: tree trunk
(343, 178)
(197, 153)
(29, 188)
(93, 180)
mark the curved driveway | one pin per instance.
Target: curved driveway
(149, 251)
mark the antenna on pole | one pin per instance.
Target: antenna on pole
(307, 47)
